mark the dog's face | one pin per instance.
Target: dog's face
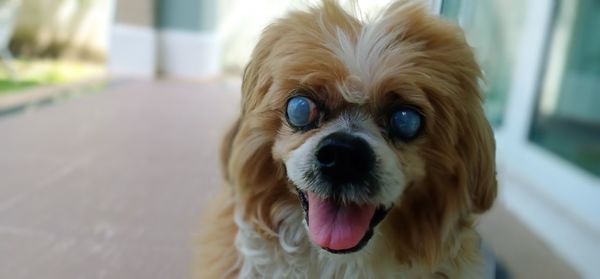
(364, 123)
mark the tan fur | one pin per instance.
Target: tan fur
(420, 60)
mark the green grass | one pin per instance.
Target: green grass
(10, 86)
(31, 73)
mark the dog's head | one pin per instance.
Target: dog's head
(366, 123)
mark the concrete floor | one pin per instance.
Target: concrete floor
(110, 185)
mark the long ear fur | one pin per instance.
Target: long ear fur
(480, 160)
(258, 182)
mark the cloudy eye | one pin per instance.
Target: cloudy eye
(301, 111)
(405, 123)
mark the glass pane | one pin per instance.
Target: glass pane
(567, 121)
(493, 28)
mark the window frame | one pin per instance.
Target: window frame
(436, 6)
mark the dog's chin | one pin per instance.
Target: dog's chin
(340, 227)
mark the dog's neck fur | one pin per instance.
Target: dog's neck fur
(292, 255)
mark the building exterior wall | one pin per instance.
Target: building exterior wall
(189, 15)
(172, 38)
(135, 12)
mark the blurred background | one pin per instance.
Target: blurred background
(112, 111)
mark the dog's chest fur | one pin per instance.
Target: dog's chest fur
(291, 255)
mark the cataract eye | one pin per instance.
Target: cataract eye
(405, 123)
(301, 111)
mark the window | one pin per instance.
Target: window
(493, 28)
(567, 117)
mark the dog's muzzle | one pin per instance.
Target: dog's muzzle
(343, 158)
(339, 213)
(344, 168)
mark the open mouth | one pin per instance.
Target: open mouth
(337, 227)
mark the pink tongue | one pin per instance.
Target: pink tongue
(337, 227)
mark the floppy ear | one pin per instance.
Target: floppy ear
(255, 84)
(481, 162)
(253, 87)
(476, 145)
(475, 139)
(249, 83)
(255, 178)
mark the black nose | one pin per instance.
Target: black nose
(344, 158)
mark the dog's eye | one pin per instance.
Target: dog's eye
(405, 123)
(301, 111)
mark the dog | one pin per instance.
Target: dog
(361, 151)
